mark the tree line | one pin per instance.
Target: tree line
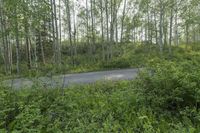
(32, 30)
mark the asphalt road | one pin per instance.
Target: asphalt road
(72, 79)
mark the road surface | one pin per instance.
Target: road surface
(71, 79)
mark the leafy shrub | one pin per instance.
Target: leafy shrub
(102, 107)
(170, 86)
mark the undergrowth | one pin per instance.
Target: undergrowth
(163, 99)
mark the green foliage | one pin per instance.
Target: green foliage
(172, 89)
(170, 85)
(128, 55)
(116, 63)
(100, 107)
(165, 98)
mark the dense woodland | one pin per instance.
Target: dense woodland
(54, 37)
(41, 33)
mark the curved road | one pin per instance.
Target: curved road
(71, 79)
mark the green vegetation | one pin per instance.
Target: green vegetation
(38, 37)
(43, 38)
(109, 107)
(165, 97)
(126, 56)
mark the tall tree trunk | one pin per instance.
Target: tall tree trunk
(187, 34)
(161, 29)
(87, 23)
(3, 33)
(102, 31)
(28, 47)
(92, 22)
(69, 30)
(26, 31)
(170, 32)
(194, 34)
(60, 34)
(7, 55)
(42, 48)
(75, 30)
(112, 22)
(107, 30)
(17, 42)
(53, 31)
(151, 33)
(57, 45)
(155, 25)
(116, 21)
(148, 33)
(122, 21)
(92, 28)
(107, 19)
(176, 26)
(10, 54)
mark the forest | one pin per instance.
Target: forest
(46, 38)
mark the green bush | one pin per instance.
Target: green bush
(170, 86)
(102, 107)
